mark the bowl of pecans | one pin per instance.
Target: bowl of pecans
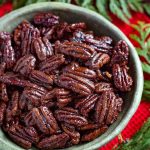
(69, 79)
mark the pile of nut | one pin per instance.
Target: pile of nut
(59, 84)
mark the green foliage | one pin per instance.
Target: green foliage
(143, 40)
(140, 141)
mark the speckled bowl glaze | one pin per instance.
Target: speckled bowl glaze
(100, 26)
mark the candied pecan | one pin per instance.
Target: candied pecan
(23, 136)
(122, 79)
(87, 104)
(94, 134)
(63, 97)
(106, 108)
(70, 109)
(54, 141)
(89, 126)
(3, 94)
(120, 53)
(41, 78)
(73, 134)
(52, 63)
(25, 65)
(12, 108)
(2, 68)
(43, 48)
(102, 44)
(6, 49)
(2, 112)
(70, 118)
(31, 97)
(44, 120)
(76, 83)
(46, 19)
(103, 86)
(98, 60)
(75, 49)
(74, 68)
(28, 120)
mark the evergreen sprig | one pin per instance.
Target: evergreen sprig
(121, 8)
(140, 141)
(143, 40)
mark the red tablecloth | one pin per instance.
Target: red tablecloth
(143, 111)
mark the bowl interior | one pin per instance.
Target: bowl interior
(100, 26)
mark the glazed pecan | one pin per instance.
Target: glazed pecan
(12, 108)
(54, 141)
(31, 97)
(46, 19)
(87, 104)
(25, 65)
(28, 119)
(98, 60)
(122, 79)
(120, 53)
(94, 134)
(41, 79)
(89, 126)
(2, 112)
(70, 117)
(7, 52)
(63, 97)
(76, 83)
(52, 63)
(75, 49)
(107, 108)
(3, 92)
(73, 134)
(44, 120)
(102, 44)
(75, 69)
(23, 136)
(28, 35)
(103, 86)
(43, 48)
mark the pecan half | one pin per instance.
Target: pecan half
(73, 134)
(12, 108)
(120, 53)
(52, 63)
(6, 50)
(70, 118)
(43, 48)
(44, 120)
(77, 50)
(89, 126)
(122, 79)
(23, 136)
(46, 19)
(107, 108)
(25, 65)
(94, 134)
(98, 60)
(54, 141)
(76, 83)
(41, 79)
(87, 104)
(103, 86)
(75, 69)
(31, 97)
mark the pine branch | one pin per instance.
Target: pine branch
(140, 141)
(143, 39)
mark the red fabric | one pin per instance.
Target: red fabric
(143, 111)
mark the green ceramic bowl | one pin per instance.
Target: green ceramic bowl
(100, 26)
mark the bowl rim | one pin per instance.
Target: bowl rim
(137, 95)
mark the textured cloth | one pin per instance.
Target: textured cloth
(143, 111)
